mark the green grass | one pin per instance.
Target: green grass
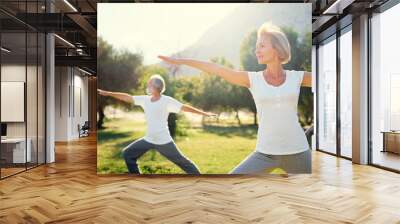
(215, 149)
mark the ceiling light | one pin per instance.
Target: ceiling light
(64, 40)
(335, 7)
(70, 5)
(5, 50)
(86, 72)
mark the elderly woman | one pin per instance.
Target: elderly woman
(281, 141)
(156, 108)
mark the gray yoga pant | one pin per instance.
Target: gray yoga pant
(259, 162)
(136, 149)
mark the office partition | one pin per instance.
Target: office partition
(385, 88)
(22, 87)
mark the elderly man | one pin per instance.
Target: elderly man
(156, 107)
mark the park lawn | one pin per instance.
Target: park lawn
(215, 149)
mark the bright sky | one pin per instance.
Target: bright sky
(154, 29)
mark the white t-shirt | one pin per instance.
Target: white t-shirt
(156, 114)
(279, 130)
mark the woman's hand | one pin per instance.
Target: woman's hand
(102, 92)
(239, 78)
(170, 60)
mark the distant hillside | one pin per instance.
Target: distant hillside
(224, 38)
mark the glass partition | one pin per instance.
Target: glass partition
(41, 96)
(327, 95)
(31, 98)
(14, 153)
(385, 89)
(22, 88)
(346, 93)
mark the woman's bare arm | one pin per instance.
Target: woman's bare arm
(119, 96)
(233, 76)
(188, 108)
(307, 79)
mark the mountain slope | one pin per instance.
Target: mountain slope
(224, 38)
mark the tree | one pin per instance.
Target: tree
(117, 71)
(215, 93)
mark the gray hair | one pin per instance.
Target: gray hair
(279, 40)
(158, 82)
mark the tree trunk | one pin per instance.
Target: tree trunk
(203, 121)
(100, 122)
(238, 118)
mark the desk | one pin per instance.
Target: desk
(391, 141)
(13, 150)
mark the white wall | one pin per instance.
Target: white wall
(33, 126)
(71, 87)
(61, 103)
(16, 73)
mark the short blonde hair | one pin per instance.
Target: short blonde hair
(158, 82)
(278, 39)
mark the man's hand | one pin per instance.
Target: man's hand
(119, 96)
(188, 108)
(209, 114)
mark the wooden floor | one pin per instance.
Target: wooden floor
(387, 159)
(10, 171)
(69, 191)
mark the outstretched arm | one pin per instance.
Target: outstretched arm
(119, 96)
(188, 108)
(233, 76)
